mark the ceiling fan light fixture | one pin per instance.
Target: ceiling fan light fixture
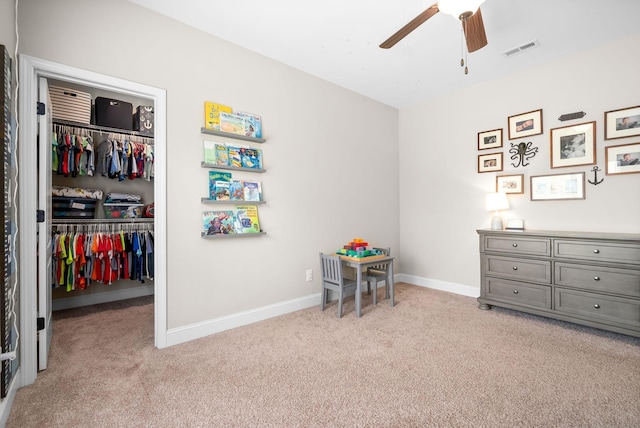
(459, 8)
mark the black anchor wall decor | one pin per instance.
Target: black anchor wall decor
(595, 181)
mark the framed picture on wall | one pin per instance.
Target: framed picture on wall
(525, 124)
(510, 183)
(490, 139)
(490, 162)
(624, 122)
(556, 187)
(623, 159)
(573, 145)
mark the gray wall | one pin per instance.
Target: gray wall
(439, 184)
(331, 176)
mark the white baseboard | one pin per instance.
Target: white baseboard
(190, 332)
(7, 402)
(451, 287)
(206, 328)
(103, 297)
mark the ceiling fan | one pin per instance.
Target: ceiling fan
(472, 24)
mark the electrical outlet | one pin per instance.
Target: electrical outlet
(309, 275)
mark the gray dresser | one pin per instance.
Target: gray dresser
(582, 277)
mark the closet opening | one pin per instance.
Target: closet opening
(36, 179)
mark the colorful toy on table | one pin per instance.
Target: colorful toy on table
(358, 248)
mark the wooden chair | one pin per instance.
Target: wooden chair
(377, 273)
(332, 279)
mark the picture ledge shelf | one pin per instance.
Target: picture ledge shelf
(230, 135)
(233, 235)
(229, 167)
(230, 201)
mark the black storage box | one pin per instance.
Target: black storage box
(113, 113)
(64, 207)
(143, 120)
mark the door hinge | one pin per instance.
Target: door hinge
(40, 216)
(40, 109)
(40, 323)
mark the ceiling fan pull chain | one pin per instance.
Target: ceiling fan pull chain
(464, 61)
(461, 46)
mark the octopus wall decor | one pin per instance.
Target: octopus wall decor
(521, 153)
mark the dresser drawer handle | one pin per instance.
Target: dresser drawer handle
(596, 251)
(597, 306)
(596, 278)
(515, 291)
(515, 245)
(515, 268)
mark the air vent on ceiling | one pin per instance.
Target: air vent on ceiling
(518, 49)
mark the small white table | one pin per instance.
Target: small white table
(363, 265)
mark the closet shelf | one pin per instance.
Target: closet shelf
(103, 129)
(229, 167)
(229, 202)
(233, 235)
(230, 135)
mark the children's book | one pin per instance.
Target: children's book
(252, 124)
(246, 219)
(212, 114)
(218, 222)
(222, 154)
(251, 158)
(217, 176)
(209, 152)
(252, 190)
(236, 190)
(222, 190)
(235, 156)
(232, 123)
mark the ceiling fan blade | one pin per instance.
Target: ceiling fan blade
(474, 32)
(415, 23)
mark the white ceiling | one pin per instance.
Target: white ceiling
(337, 40)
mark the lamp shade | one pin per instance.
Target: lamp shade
(497, 201)
(456, 8)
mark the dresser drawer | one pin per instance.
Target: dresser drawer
(594, 278)
(518, 245)
(532, 295)
(598, 307)
(598, 250)
(519, 269)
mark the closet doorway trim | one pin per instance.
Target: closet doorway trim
(30, 70)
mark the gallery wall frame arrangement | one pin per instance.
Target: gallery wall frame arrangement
(513, 183)
(621, 123)
(490, 139)
(557, 187)
(622, 159)
(525, 124)
(491, 162)
(573, 145)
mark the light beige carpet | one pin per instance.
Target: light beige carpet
(434, 360)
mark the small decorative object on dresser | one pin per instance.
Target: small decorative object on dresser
(587, 278)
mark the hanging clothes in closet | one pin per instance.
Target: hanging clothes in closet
(88, 254)
(124, 159)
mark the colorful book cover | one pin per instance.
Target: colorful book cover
(246, 220)
(222, 154)
(209, 152)
(222, 191)
(235, 156)
(252, 191)
(232, 123)
(252, 124)
(212, 114)
(217, 176)
(251, 158)
(218, 222)
(236, 190)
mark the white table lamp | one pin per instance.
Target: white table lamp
(495, 202)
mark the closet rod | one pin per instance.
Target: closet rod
(103, 221)
(101, 129)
